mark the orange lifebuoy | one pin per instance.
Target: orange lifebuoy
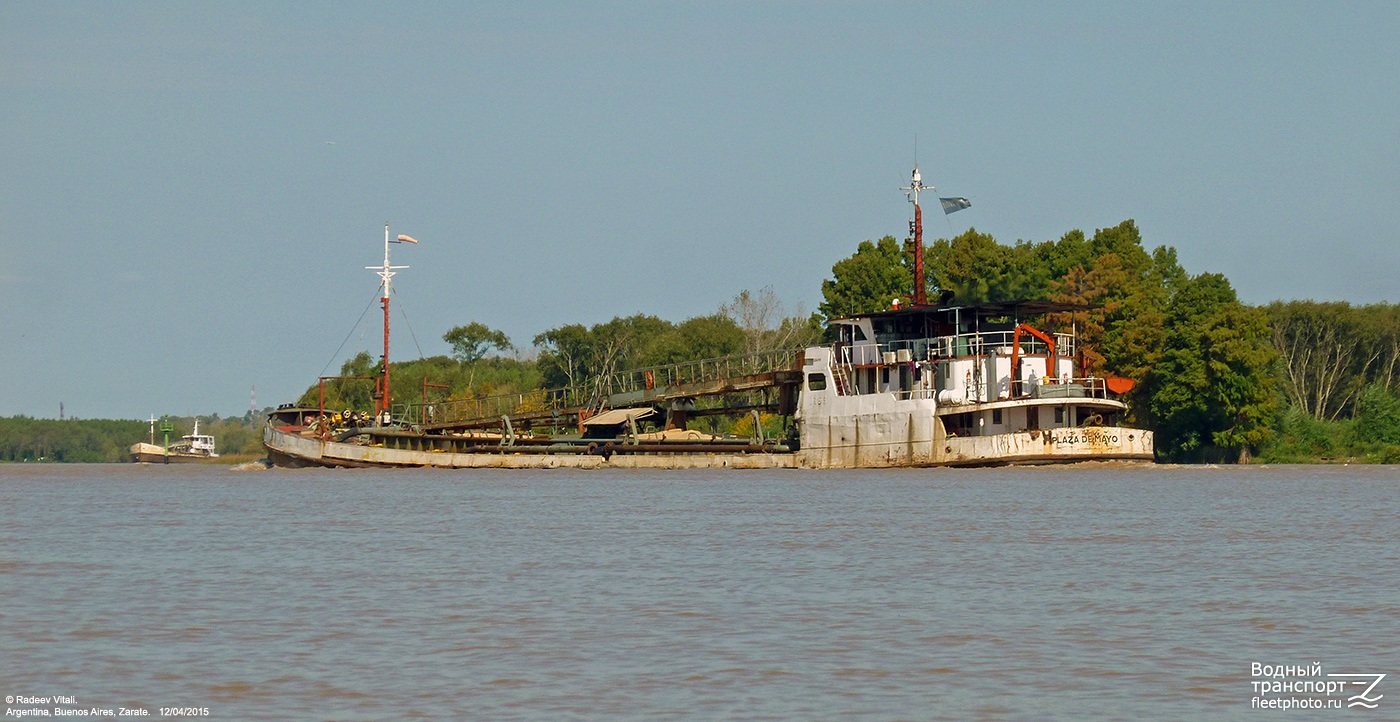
(651, 382)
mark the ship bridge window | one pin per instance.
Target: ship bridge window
(816, 382)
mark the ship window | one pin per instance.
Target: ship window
(996, 416)
(885, 376)
(1059, 414)
(1033, 417)
(816, 382)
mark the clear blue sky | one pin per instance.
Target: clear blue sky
(190, 191)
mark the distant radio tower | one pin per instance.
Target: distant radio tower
(253, 403)
(60, 411)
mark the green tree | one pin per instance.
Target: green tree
(1071, 251)
(1332, 351)
(564, 354)
(1166, 272)
(1125, 241)
(1299, 438)
(472, 341)
(1377, 416)
(702, 337)
(1135, 329)
(976, 269)
(867, 281)
(1126, 290)
(1213, 388)
(572, 354)
(1383, 323)
(626, 341)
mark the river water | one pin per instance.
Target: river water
(1016, 594)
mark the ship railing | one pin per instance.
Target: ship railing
(941, 347)
(689, 373)
(1090, 387)
(1065, 387)
(976, 344)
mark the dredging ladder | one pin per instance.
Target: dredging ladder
(777, 374)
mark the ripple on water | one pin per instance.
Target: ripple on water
(997, 594)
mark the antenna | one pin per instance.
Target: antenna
(916, 229)
(385, 273)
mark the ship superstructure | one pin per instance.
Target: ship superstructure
(959, 385)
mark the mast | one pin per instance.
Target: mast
(385, 273)
(916, 228)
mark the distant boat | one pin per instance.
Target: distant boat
(191, 447)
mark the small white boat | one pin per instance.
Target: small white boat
(191, 447)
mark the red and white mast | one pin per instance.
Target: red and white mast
(386, 272)
(916, 227)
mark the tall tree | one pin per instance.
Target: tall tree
(702, 337)
(1100, 292)
(472, 341)
(766, 324)
(1214, 384)
(867, 281)
(1125, 241)
(1332, 351)
(1071, 251)
(565, 353)
(573, 354)
(975, 268)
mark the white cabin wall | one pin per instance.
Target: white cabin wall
(862, 430)
(1064, 368)
(1032, 372)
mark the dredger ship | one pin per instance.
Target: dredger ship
(940, 384)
